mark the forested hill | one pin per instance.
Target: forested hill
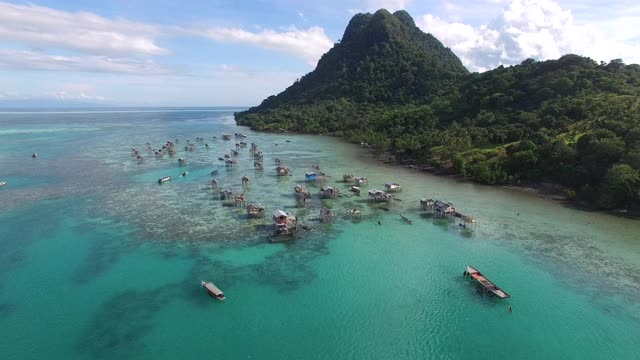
(570, 121)
(382, 58)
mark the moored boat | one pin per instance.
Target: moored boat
(213, 290)
(485, 284)
(163, 180)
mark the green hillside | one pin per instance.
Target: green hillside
(570, 121)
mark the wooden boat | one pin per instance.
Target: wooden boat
(213, 290)
(485, 284)
(214, 172)
(164, 179)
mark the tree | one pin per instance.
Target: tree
(460, 165)
(619, 187)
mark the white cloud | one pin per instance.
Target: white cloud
(391, 5)
(307, 44)
(38, 26)
(30, 60)
(539, 29)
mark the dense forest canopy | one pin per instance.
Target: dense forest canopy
(570, 121)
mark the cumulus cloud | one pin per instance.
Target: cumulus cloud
(307, 44)
(21, 60)
(539, 29)
(39, 26)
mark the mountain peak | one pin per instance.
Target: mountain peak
(382, 58)
(381, 25)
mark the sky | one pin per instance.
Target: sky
(236, 53)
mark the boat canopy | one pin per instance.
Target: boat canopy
(278, 213)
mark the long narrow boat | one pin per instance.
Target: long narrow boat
(213, 290)
(491, 288)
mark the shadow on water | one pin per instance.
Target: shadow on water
(6, 309)
(18, 233)
(122, 321)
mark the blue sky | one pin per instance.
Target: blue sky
(220, 52)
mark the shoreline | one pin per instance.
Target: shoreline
(545, 191)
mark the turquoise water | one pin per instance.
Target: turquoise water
(98, 261)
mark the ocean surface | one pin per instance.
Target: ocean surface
(99, 261)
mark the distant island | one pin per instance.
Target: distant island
(571, 122)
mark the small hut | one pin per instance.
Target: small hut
(239, 200)
(326, 214)
(282, 171)
(245, 180)
(329, 192)
(315, 176)
(255, 210)
(467, 221)
(392, 187)
(360, 180)
(380, 196)
(355, 190)
(303, 196)
(443, 209)
(215, 184)
(226, 195)
(426, 204)
(348, 178)
(283, 223)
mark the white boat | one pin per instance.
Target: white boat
(213, 290)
